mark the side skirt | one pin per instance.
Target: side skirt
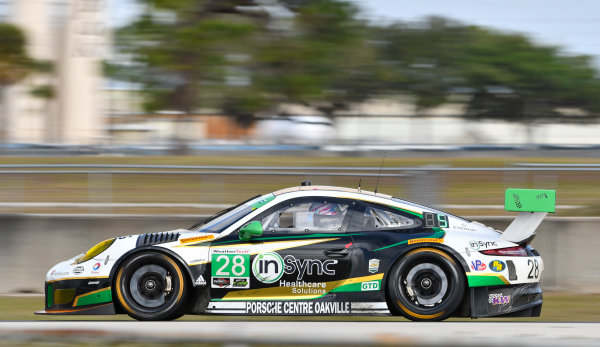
(102, 309)
(297, 308)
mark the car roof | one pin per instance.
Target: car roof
(331, 189)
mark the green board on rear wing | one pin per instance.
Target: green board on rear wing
(530, 200)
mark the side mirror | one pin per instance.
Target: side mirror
(250, 230)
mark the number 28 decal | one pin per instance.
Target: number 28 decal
(434, 220)
(534, 269)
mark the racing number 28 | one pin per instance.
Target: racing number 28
(228, 265)
(534, 269)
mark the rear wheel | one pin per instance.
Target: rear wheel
(151, 286)
(425, 285)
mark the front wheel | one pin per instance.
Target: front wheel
(151, 286)
(425, 285)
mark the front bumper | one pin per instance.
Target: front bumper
(91, 296)
(521, 300)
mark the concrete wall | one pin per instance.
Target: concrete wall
(30, 245)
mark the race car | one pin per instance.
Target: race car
(315, 250)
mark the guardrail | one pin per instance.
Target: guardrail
(202, 168)
(423, 182)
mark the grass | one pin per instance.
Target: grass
(574, 188)
(564, 307)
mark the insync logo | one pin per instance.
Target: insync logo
(308, 266)
(268, 267)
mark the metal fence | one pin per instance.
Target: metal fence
(422, 183)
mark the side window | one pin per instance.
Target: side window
(375, 217)
(307, 215)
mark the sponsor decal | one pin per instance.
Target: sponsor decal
(197, 238)
(369, 286)
(478, 265)
(78, 270)
(268, 267)
(498, 299)
(497, 265)
(221, 282)
(308, 266)
(93, 283)
(464, 227)
(96, 267)
(229, 251)
(373, 265)
(301, 287)
(200, 281)
(517, 200)
(232, 266)
(410, 242)
(240, 283)
(476, 245)
(54, 273)
(297, 307)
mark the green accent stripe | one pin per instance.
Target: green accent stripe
(486, 281)
(97, 297)
(316, 236)
(420, 215)
(50, 296)
(265, 199)
(353, 287)
(438, 234)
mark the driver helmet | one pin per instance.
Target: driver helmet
(326, 215)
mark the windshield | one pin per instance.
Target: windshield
(224, 219)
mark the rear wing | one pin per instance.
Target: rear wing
(533, 205)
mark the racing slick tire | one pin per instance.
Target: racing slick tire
(151, 286)
(425, 285)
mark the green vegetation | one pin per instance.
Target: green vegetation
(239, 58)
(557, 307)
(14, 64)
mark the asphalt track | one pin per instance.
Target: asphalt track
(305, 333)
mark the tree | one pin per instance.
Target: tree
(14, 66)
(226, 54)
(516, 80)
(181, 51)
(421, 58)
(326, 62)
(506, 75)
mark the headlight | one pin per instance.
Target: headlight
(94, 251)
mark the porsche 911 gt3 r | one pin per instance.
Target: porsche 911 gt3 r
(315, 250)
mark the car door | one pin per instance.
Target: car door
(302, 254)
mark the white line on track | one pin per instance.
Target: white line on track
(323, 333)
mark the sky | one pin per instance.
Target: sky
(573, 25)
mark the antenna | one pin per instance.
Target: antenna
(382, 160)
(359, 180)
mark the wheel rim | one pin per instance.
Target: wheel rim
(150, 286)
(425, 285)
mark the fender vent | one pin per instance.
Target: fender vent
(156, 238)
